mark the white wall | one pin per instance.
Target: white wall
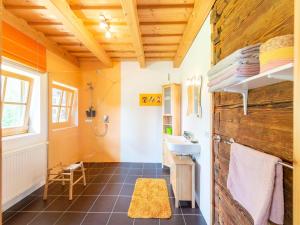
(197, 62)
(141, 135)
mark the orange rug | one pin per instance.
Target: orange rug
(150, 199)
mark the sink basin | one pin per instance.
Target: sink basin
(181, 146)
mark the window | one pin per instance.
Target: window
(62, 103)
(16, 95)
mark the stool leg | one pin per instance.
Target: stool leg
(63, 182)
(71, 186)
(45, 196)
(83, 174)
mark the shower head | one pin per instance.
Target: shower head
(106, 119)
(90, 85)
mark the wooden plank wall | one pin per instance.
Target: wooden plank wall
(268, 127)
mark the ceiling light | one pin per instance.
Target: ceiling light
(108, 34)
(102, 18)
(103, 25)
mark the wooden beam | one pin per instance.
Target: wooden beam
(296, 153)
(64, 13)
(165, 6)
(131, 15)
(24, 7)
(155, 23)
(195, 22)
(118, 7)
(161, 35)
(95, 7)
(22, 26)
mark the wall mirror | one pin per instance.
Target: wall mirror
(194, 85)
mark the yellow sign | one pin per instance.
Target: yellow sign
(150, 99)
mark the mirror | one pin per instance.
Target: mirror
(194, 86)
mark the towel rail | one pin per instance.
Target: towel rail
(231, 141)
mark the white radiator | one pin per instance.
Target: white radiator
(23, 171)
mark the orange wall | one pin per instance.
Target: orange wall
(63, 143)
(106, 100)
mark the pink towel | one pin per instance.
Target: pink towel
(255, 180)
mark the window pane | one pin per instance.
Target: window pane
(13, 115)
(63, 114)
(2, 85)
(56, 95)
(55, 114)
(64, 99)
(16, 90)
(70, 95)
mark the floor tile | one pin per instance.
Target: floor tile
(23, 203)
(149, 166)
(186, 208)
(93, 189)
(194, 220)
(122, 204)
(112, 189)
(82, 204)
(93, 171)
(149, 172)
(46, 218)
(70, 219)
(7, 215)
(137, 165)
(103, 178)
(104, 204)
(131, 179)
(39, 204)
(127, 189)
(21, 218)
(120, 219)
(108, 170)
(57, 189)
(163, 172)
(134, 171)
(60, 204)
(38, 192)
(146, 222)
(96, 219)
(174, 210)
(122, 170)
(174, 220)
(117, 179)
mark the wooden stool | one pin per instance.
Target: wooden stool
(64, 174)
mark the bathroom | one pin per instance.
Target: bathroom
(124, 94)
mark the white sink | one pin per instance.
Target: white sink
(181, 146)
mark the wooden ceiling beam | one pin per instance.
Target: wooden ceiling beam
(165, 6)
(44, 23)
(63, 12)
(96, 7)
(160, 44)
(58, 34)
(195, 22)
(131, 15)
(119, 7)
(24, 7)
(50, 45)
(161, 35)
(155, 23)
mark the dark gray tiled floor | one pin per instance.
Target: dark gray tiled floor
(104, 201)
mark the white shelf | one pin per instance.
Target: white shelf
(273, 76)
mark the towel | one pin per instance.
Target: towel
(246, 55)
(255, 180)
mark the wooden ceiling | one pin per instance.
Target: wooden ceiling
(142, 30)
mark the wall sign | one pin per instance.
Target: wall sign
(150, 99)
